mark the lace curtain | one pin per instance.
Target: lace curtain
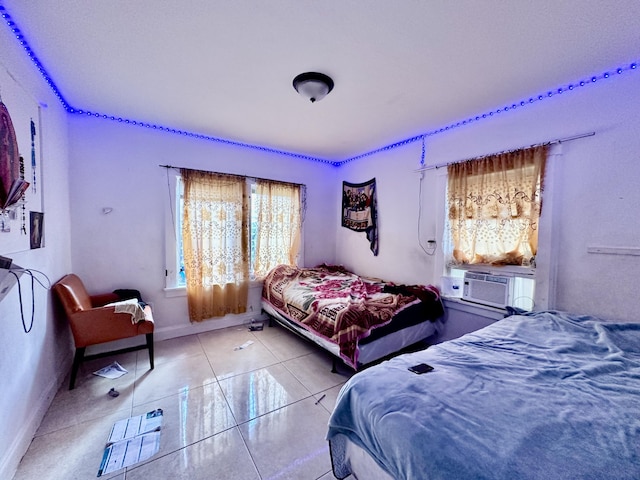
(277, 225)
(494, 205)
(215, 243)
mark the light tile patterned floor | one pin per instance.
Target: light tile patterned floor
(228, 414)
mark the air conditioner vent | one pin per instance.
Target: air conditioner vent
(488, 289)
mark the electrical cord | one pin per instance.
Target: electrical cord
(432, 250)
(14, 272)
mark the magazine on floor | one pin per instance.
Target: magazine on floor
(132, 440)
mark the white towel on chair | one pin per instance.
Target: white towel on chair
(132, 307)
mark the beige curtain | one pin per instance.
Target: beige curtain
(215, 243)
(278, 225)
(494, 206)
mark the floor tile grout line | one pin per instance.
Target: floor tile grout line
(236, 426)
(136, 405)
(172, 452)
(253, 460)
(270, 347)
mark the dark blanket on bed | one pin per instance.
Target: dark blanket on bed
(341, 306)
(537, 396)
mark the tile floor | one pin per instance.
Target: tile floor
(228, 414)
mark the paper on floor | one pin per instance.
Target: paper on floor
(244, 345)
(131, 441)
(115, 370)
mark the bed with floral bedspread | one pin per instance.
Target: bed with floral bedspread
(344, 308)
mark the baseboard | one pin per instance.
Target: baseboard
(11, 458)
(167, 333)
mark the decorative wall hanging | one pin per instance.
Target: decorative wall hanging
(20, 166)
(33, 155)
(359, 210)
(9, 159)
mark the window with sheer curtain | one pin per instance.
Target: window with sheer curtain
(276, 225)
(230, 230)
(214, 242)
(493, 208)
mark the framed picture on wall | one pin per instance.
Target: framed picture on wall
(36, 221)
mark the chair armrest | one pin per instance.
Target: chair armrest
(102, 299)
(99, 325)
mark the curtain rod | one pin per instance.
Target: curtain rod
(552, 142)
(233, 175)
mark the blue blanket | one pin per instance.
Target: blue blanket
(538, 396)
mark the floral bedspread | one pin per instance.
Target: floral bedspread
(339, 305)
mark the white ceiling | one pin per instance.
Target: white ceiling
(401, 68)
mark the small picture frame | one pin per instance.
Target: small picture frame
(36, 235)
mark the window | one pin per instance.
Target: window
(276, 220)
(276, 210)
(493, 207)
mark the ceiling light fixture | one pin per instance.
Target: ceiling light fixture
(313, 86)
(4, 15)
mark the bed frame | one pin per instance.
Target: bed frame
(357, 319)
(372, 351)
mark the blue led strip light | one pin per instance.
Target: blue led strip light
(385, 148)
(31, 54)
(22, 40)
(536, 98)
(185, 133)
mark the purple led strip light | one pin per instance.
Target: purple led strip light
(551, 93)
(22, 40)
(567, 88)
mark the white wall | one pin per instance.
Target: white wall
(117, 166)
(595, 195)
(32, 365)
(400, 257)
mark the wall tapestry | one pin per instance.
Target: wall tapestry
(9, 161)
(359, 210)
(20, 169)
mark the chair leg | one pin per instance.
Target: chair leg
(150, 347)
(77, 360)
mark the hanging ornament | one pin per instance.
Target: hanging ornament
(33, 154)
(23, 229)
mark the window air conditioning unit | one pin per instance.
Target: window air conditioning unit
(488, 289)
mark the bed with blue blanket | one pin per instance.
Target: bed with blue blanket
(543, 395)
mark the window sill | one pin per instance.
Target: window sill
(515, 270)
(171, 292)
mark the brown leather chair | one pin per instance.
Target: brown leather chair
(93, 323)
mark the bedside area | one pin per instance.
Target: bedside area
(462, 317)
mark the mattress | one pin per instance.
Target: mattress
(534, 396)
